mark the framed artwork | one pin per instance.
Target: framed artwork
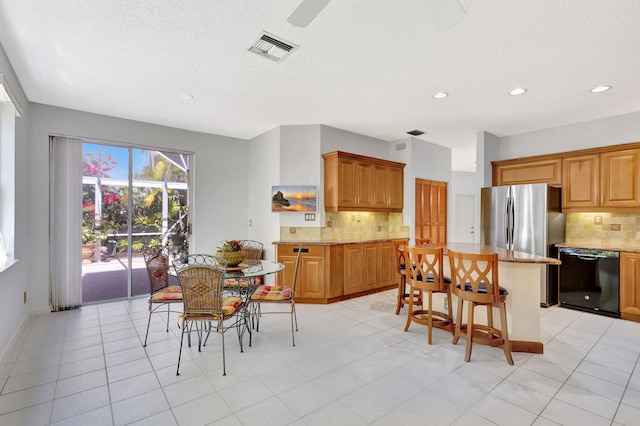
(293, 199)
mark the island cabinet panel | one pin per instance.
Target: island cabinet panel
(630, 286)
(357, 183)
(538, 171)
(581, 182)
(620, 183)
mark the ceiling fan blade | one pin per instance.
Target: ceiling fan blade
(306, 12)
(445, 13)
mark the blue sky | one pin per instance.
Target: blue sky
(121, 156)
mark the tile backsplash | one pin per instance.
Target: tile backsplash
(351, 226)
(603, 228)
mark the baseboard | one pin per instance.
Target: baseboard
(527, 347)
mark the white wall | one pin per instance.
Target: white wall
(424, 160)
(219, 171)
(615, 130)
(13, 281)
(264, 171)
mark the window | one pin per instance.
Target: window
(9, 108)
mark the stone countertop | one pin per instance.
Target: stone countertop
(635, 248)
(333, 243)
(503, 254)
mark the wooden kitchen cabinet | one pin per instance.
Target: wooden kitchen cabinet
(604, 181)
(368, 266)
(357, 183)
(517, 172)
(630, 286)
(581, 182)
(320, 271)
(620, 178)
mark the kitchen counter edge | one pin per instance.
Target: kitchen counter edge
(608, 247)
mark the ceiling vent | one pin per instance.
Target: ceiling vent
(272, 47)
(416, 132)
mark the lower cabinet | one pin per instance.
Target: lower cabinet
(630, 286)
(329, 273)
(368, 266)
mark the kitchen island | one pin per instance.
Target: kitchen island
(520, 273)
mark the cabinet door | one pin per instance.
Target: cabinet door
(387, 262)
(365, 184)
(431, 210)
(630, 286)
(380, 186)
(370, 265)
(353, 269)
(396, 188)
(540, 171)
(347, 183)
(581, 181)
(620, 183)
(312, 282)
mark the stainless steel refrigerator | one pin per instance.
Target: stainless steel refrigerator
(526, 218)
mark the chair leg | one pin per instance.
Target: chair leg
(224, 361)
(467, 353)
(490, 334)
(430, 318)
(450, 311)
(458, 330)
(506, 345)
(148, 324)
(400, 294)
(168, 310)
(410, 311)
(184, 329)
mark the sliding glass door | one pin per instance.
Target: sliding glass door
(133, 199)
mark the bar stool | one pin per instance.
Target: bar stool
(403, 296)
(424, 274)
(474, 278)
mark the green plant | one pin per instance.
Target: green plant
(230, 246)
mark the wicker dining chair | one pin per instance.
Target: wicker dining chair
(161, 293)
(253, 254)
(266, 294)
(205, 306)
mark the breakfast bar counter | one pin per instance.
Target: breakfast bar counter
(520, 273)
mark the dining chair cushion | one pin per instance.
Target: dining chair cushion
(168, 294)
(482, 288)
(274, 293)
(229, 306)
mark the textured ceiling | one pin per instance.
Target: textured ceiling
(369, 67)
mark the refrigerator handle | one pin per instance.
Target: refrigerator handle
(506, 222)
(513, 225)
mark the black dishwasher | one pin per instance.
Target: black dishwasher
(589, 280)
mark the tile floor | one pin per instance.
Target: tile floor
(353, 365)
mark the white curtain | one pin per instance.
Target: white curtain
(65, 224)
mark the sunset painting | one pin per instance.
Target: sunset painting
(293, 199)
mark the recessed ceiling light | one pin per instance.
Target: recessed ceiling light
(600, 89)
(518, 91)
(440, 95)
(187, 97)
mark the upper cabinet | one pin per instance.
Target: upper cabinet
(596, 179)
(357, 183)
(605, 181)
(528, 171)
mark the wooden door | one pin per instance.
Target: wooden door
(620, 183)
(431, 211)
(630, 286)
(581, 181)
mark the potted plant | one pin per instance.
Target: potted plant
(231, 251)
(178, 239)
(88, 242)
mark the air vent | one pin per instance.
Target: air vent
(272, 47)
(416, 132)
